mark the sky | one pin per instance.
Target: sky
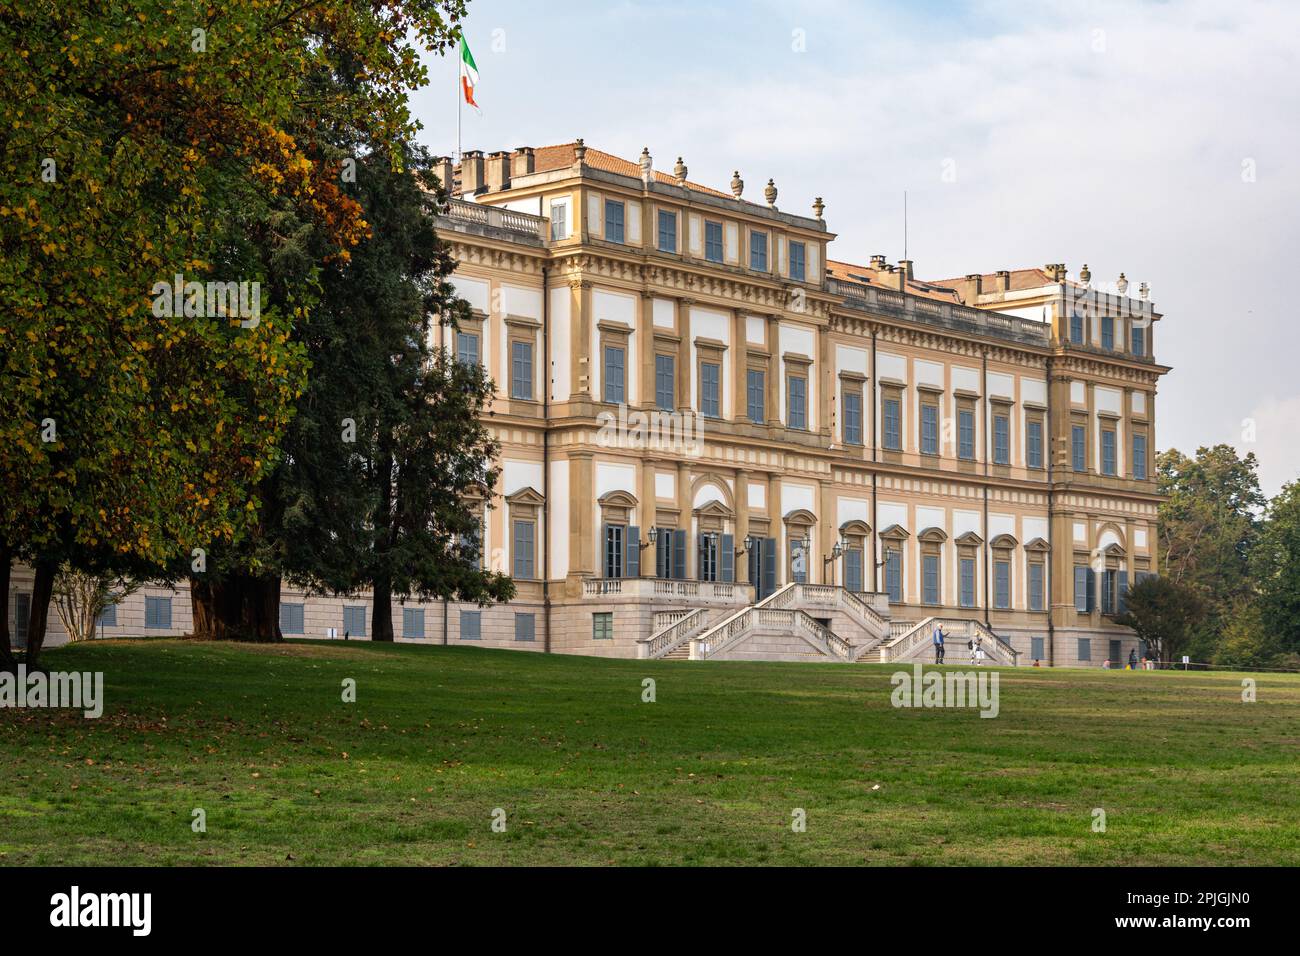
(1156, 139)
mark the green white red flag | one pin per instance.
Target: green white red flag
(468, 73)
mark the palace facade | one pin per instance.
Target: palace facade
(718, 441)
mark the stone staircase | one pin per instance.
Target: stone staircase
(914, 640)
(782, 626)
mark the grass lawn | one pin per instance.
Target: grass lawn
(586, 773)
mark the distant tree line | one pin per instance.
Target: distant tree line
(1228, 591)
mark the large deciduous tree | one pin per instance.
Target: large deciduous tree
(1208, 523)
(138, 140)
(1276, 565)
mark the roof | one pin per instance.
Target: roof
(1021, 279)
(868, 275)
(557, 157)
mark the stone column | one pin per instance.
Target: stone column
(741, 495)
(645, 339)
(582, 520)
(827, 534)
(775, 526)
(775, 386)
(580, 339)
(684, 517)
(739, 365)
(684, 354)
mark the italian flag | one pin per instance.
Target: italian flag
(468, 73)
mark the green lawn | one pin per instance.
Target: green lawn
(588, 774)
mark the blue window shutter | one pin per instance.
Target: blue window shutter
(679, 554)
(769, 565)
(728, 558)
(1122, 592)
(1092, 589)
(853, 570)
(633, 546)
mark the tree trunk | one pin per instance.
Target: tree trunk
(42, 588)
(240, 607)
(7, 660)
(381, 623)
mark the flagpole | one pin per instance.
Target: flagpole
(459, 69)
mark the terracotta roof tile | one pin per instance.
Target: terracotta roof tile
(849, 272)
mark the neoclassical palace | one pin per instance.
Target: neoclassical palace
(719, 442)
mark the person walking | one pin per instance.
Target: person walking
(979, 650)
(938, 645)
(1133, 659)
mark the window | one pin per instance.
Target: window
(1085, 648)
(467, 348)
(108, 617)
(354, 620)
(853, 418)
(755, 394)
(1108, 451)
(798, 559)
(798, 259)
(412, 622)
(1036, 571)
(614, 538)
(1001, 440)
(1034, 444)
(615, 359)
(613, 220)
(894, 575)
(471, 625)
(758, 251)
(525, 627)
(929, 429)
(1076, 329)
(559, 220)
(665, 382)
(1140, 457)
(1139, 341)
(853, 569)
(667, 231)
(158, 612)
(930, 578)
(670, 553)
(602, 626)
(797, 412)
(291, 621)
(966, 434)
(710, 389)
(521, 370)
(708, 557)
(1002, 584)
(1036, 648)
(967, 571)
(1078, 448)
(1107, 332)
(713, 241)
(1108, 592)
(22, 615)
(893, 437)
(1081, 573)
(524, 537)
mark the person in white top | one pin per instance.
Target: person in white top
(978, 656)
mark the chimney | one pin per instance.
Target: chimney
(471, 172)
(445, 172)
(905, 267)
(878, 263)
(970, 288)
(522, 162)
(498, 171)
(1003, 283)
(893, 278)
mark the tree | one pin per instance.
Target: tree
(1246, 640)
(80, 597)
(1276, 564)
(1208, 523)
(1162, 613)
(132, 139)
